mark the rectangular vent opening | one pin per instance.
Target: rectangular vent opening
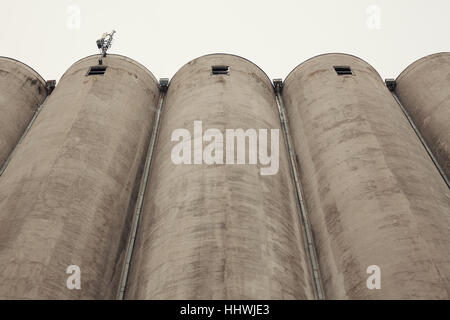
(220, 70)
(96, 71)
(343, 70)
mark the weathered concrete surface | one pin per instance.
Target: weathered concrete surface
(68, 195)
(373, 194)
(219, 231)
(424, 90)
(22, 91)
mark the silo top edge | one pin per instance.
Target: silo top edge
(331, 54)
(141, 66)
(27, 67)
(224, 54)
(418, 62)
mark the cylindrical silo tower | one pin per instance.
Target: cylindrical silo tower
(217, 230)
(378, 207)
(22, 90)
(67, 198)
(424, 91)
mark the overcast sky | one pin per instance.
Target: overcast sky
(50, 35)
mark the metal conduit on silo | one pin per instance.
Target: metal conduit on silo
(375, 199)
(219, 231)
(68, 196)
(22, 90)
(424, 91)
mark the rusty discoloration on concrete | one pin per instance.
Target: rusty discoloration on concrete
(423, 89)
(219, 231)
(68, 195)
(373, 194)
(22, 92)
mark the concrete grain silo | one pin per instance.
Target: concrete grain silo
(22, 90)
(423, 89)
(374, 197)
(219, 231)
(68, 195)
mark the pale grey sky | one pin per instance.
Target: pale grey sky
(50, 35)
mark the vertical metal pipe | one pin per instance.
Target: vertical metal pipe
(422, 140)
(30, 124)
(143, 186)
(278, 85)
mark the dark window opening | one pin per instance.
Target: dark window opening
(96, 70)
(220, 70)
(343, 70)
